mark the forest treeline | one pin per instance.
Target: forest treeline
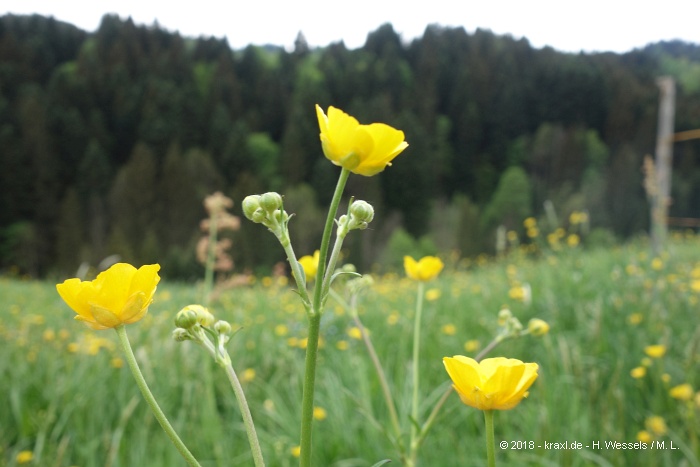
(109, 141)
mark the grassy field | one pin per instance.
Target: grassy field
(70, 399)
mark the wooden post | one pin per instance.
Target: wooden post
(664, 157)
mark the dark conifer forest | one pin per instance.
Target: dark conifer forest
(109, 141)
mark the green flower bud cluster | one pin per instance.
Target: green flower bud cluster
(267, 209)
(510, 325)
(198, 324)
(359, 216)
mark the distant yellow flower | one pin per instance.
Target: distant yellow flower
(638, 372)
(472, 345)
(393, 318)
(355, 333)
(573, 240)
(695, 285)
(24, 457)
(656, 425)
(310, 265)
(492, 384)
(120, 295)
(320, 413)
(248, 375)
(362, 149)
(116, 362)
(521, 293)
(295, 451)
(657, 264)
(655, 351)
(682, 392)
(432, 294)
(424, 270)
(449, 329)
(635, 318)
(644, 436)
(530, 223)
(341, 345)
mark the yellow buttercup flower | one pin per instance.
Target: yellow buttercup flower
(424, 270)
(492, 384)
(638, 372)
(362, 149)
(120, 295)
(644, 436)
(682, 392)
(655, 351)
(656, 425)
(310, 265)
(320, 413)
(24, 457)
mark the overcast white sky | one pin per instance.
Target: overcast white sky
(574, 25)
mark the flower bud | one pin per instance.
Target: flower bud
(504, 316)
(185, 318)
(222, 327)
(250, 205)
(181, 335)
(204, 317)
(538, 327)
(271, 201)
(258, 216)
(281, 216)
(362, 210)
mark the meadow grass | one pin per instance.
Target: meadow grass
(69, 397)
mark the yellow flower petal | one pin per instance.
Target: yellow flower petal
(74, 293)
(310, 265)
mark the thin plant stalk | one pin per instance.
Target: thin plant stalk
(247, 417)
(490, 439)
(314, 325)
(148, 396)
(416, 370)
(380, 374)
(297, 272)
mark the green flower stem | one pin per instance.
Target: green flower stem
(307, 403)
(314, 325)
(298, 273)
(326, 239)
(492, 345)
(333, 259)
(431, 419)
(490, 439)
(141, 383)
(211, 258)
(247, 417)
(416, 368)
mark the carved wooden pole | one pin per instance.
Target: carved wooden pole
(664, 156)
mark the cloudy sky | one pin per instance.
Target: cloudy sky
(574, 25)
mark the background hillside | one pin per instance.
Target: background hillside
(109, 141)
